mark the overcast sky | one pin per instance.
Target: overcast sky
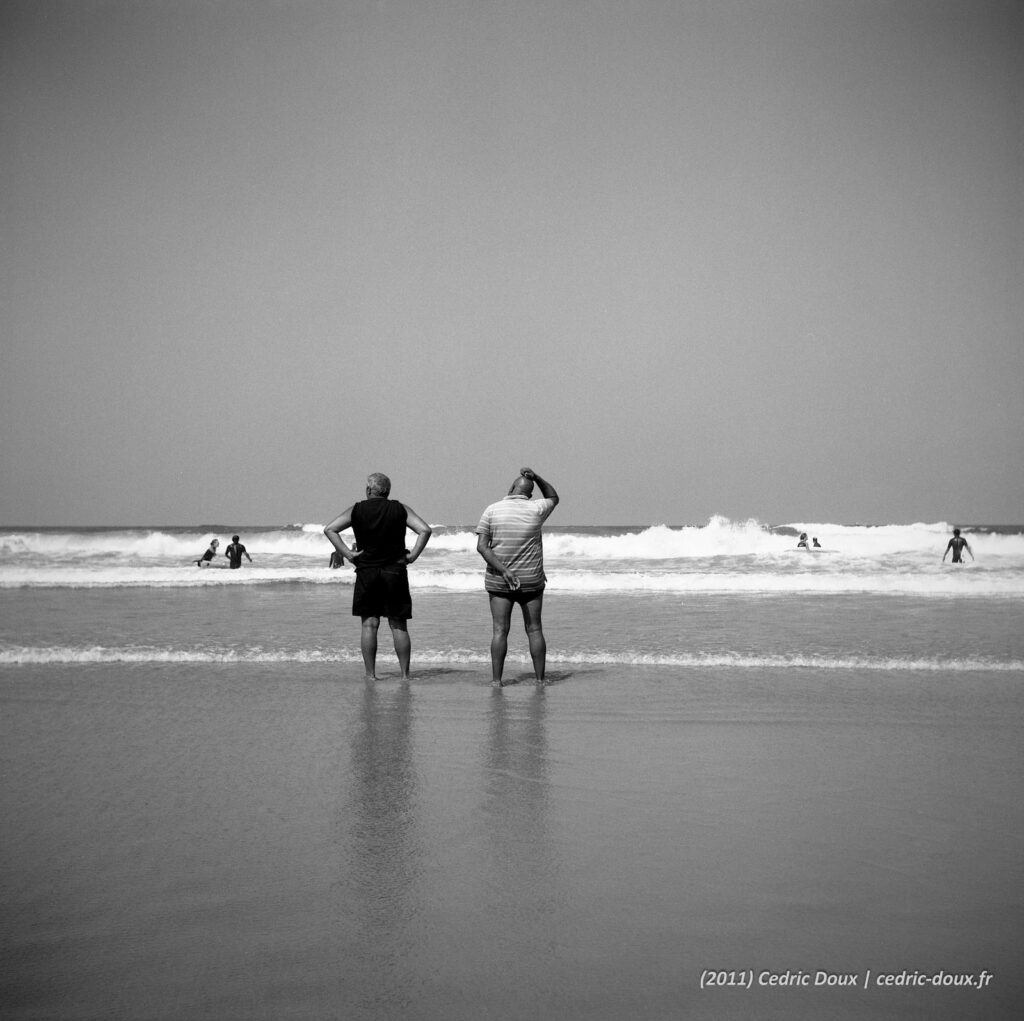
(760, 259)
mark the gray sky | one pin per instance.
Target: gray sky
(760, 259)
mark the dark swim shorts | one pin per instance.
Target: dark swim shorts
(382, 592)
(520, 596)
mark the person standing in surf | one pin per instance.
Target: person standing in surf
(509, 540)
(957, 544)
(380, 560)
(235, 552)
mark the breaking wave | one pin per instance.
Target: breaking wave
(720, 556)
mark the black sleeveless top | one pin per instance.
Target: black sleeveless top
(379, 527)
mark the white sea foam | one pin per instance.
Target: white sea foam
(719, 537)
(925, 581)
(721, 556)
(86, 655)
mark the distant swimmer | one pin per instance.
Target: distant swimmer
(957, 544)
(337, 560)
(235, 552)
(815, 543)
(210, 553)
(802, 544)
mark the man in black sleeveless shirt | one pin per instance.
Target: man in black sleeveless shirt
(380, 559)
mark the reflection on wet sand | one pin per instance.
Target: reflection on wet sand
(516, 809)
(385, 856)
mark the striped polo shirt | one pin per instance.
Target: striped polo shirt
(513, 528)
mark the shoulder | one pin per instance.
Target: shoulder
(487, 514)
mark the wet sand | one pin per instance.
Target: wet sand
(289, 842)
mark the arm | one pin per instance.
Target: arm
(967, 546)
(483, 547)
(423, 532)
(247, 557)
(333, 530)
(949, 546)
(546, 489)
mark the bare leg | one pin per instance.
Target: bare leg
(535, 635)
(403, 644)
(368, 646)
(501, 619)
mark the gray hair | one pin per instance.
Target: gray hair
(378, 484)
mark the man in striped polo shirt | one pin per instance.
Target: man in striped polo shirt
(509, 540)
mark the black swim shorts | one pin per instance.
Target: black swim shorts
(520, 596)
(382, 592)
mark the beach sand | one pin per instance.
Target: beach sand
(264, 841)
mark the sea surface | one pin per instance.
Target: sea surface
(726, 593)
(752, 766)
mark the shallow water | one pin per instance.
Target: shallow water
(311, 623)
(209, 814)
(280, 841)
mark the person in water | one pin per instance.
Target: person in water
(235, 552)
(211, 552)
(815, 544)
(380, 558)
(509, 540)
(802, 544)
(957, 544)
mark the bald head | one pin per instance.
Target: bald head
(521, 486)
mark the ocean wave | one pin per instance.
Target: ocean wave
(78, 577)
(145, 544)
(142, 655)
(719, 537)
